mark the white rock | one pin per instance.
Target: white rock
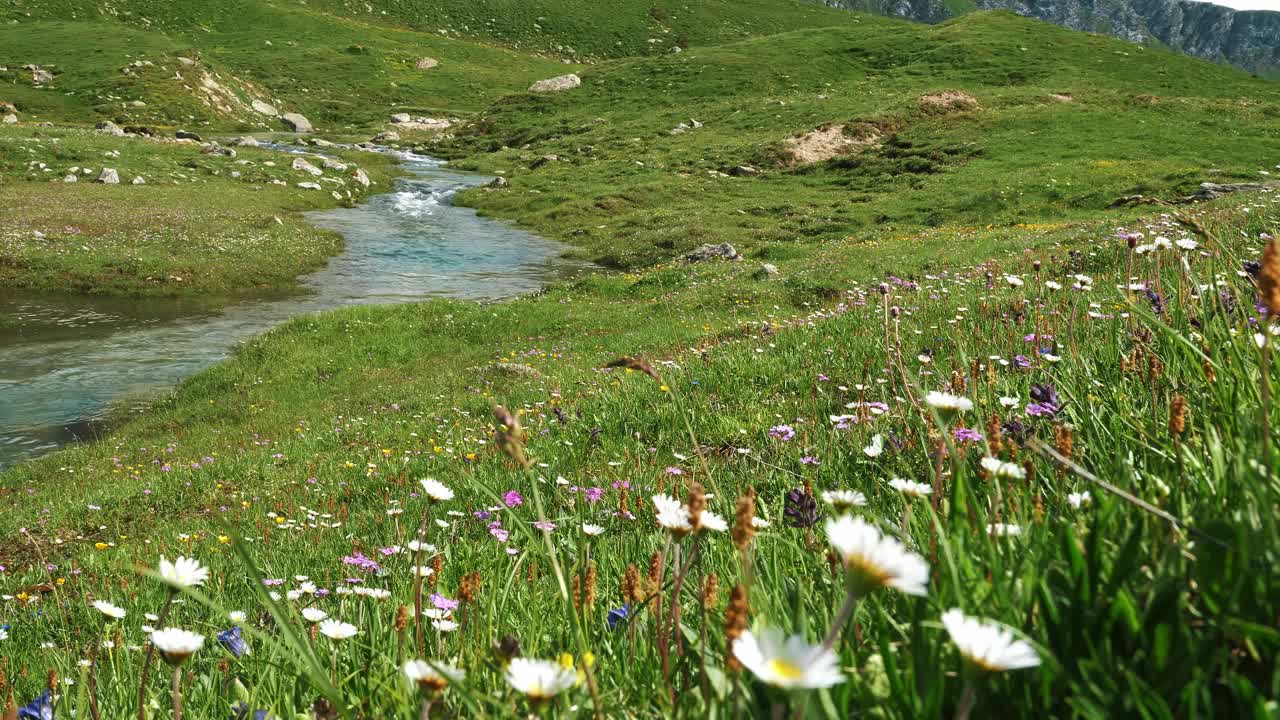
(109, 177)
(264, 108)
(556, 84)
(309, 186)
(139, 180)
(362, 177)
(306, 167)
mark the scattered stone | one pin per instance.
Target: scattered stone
(426, 63)
(556, 84)
(297, 122)
(743, 171)
(306, 167)
(137, 104)
(362, 177)
(1062, 97)
(500, 182)
(216, 149)
(264, 108)
(70, 179)
(1212, 191)
(333, 164)
(139, 180)
(722, 251)
(109, 128)
(516, 369)
(321, 142)
(766, 270)
(544, 160)
(186, 61)
(109, 177)
(401, 118)
(7, 107)
(387, 136)
(40, 76)
(140, 130)
(185, 135)
(309, 186)
(9, 119)
(245, 141)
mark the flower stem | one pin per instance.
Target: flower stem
(151, 654)
(968, 698)
(177, 692)
(846, 611)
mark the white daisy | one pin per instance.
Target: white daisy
(875, 448)
(444, 625)
(1000, 468)
(429, 678)
(1080, 499)
(947, 403)
(844, 499)
(338, 630)
(1013, 280)
(183, 572)
(909, 488)
(111, 611)
(672, 514)
(540, 679)
(175, 644)
(592, 530)
(314, 615)
(787, 662)
(987, 644)
(236, 616)
(436, 490)
(875, 560)
(1003, 530)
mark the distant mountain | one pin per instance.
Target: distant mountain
(1247, 39)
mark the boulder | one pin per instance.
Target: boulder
(362, 177)
(244, 141)
(186, 61)
(766, 270)
(264, 108)
(40, 76)
(426, 63)
(139, 130)
(297, 122)
(9, 119)
(302, 165)
(499, 182)
(109, 176)
(544, 160)
(107, 127)
(320, 142)
(333, 164)
(556, 84)
(309, 186)
(7, 107)
(722, 251)
(401, 118)
(743, 171)
(70, 179)
(387, 136)
(139, 180)
(185, 135)
(216, 149)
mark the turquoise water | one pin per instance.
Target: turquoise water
(73, 356)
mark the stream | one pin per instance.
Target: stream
(72, 357)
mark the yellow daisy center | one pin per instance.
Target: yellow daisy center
(785, 670)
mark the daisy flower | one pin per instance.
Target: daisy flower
(111, 611)
(874, 560)
(431, 679)
(909, 488)
(436, 490)
(844, 499)
(787, 662)
(175, 644)
(946, 403)
(592, 530)
(338, 630)
(183, 572)
(1080, 499)
(1000, 468)
(314, 615)
(988, 645)
(540, 680)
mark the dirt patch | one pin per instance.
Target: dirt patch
(1062, 97)
(831, 141)
(948, 101)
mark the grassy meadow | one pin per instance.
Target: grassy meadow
(971, 386)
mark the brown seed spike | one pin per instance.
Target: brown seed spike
(743, 522)
(1269, 278)
(710, 591)
(1178, 415)
(631, 585)
(736, 618)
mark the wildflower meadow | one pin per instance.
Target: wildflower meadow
(1040, 485)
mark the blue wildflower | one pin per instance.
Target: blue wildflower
(39, 709)
(233, 640)
(240, 711)
(618, 615)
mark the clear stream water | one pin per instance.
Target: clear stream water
(71, 357)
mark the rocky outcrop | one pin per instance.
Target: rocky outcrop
(1247, 39)
(556, 84)
(297, 122)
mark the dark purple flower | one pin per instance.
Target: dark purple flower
(39, 709)
(801, 509)
(233, 640)
(618, 615)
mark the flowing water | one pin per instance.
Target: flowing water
(71, 357)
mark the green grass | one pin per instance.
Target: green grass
(194, 227)
(306, 446)
(630, 194)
